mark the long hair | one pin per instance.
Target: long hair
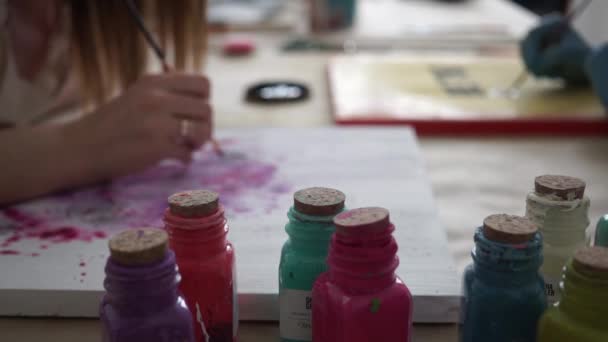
(111, 53)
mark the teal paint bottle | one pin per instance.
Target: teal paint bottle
(601, 232)
(504, 295)
(303, 258)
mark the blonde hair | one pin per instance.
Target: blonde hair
(111, 53)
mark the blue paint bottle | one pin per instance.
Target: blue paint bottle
(504, 294)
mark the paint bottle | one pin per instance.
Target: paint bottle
(331, 15)
(359, 298)
(142, 301)
(601, 232)
(560, 209)
(504, 295)
(581, 313)
(198, 234)
(303, 257)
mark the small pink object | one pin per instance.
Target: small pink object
(238, 47)
(359, 298)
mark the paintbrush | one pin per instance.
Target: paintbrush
(551, 39)
(159, 52)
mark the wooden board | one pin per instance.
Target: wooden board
(53, 249)
(458, 94)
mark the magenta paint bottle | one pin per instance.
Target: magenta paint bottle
(142, 302)
(359, 298)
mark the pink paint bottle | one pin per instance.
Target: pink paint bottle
(360, 299)
(197, 233)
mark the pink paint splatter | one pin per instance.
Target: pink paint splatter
(82, 264)
(35, 254)
(20, 217)
(9, 252)
(94, 213)
(13, 239)
(100, 235)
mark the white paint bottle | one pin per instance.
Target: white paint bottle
(560, 209)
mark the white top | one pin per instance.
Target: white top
(25, 102)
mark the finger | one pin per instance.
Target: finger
(182, 106)
(181, 153)
(181, 83)
(172, 150)
(538, 40)
(551, 21)
(193, 134)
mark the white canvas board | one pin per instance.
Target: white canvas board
(53, 250)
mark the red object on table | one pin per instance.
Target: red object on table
(238, 47)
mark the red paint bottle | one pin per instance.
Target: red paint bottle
(197, 234)
(359, 298)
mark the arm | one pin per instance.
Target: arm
(131, 132)
(40, 160)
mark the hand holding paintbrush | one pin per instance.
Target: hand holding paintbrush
(160, 53)
(555, 50)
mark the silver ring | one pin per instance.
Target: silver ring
(184, 129)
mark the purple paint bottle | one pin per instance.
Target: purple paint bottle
(142, 302)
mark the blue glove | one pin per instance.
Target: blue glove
(597, 69)
(553, 49)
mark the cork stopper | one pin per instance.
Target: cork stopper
(565, 187)
(194, 203)
(362, 220)
(509, 229)
(592, 261)
(319, 201)
(138, 246)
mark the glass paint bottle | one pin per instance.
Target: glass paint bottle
(142, 301)
(198, 234)
(581, 313)
(303, 257)
(503, 293)
(331, 15)
(601, 232)
(560, 209)
(360, 298)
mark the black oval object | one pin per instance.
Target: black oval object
(277, 92)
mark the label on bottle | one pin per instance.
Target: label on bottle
(295, 314)
(552, 289)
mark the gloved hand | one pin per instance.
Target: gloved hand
(597, 69)
(553, 49)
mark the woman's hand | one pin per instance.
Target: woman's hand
(133, 131)
(146, 124)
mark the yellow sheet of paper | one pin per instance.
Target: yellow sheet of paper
(451, 88)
